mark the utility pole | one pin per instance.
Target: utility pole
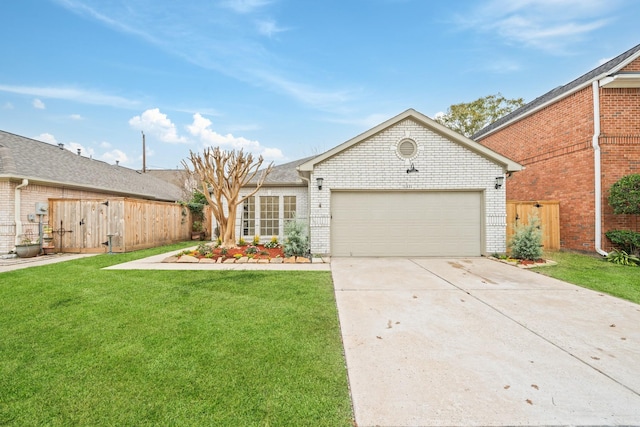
(144, 154)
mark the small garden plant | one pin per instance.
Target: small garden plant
(526, 243)
(296, 241)
(273, 243)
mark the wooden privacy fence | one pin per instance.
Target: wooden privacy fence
(548, 212)
(84, 226)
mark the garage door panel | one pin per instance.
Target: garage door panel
(406, 224)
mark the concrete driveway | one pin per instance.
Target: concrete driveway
(441, 342)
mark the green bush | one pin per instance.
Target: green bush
(625, 240)
(296, 241)
(204, 249)
(623, 258)
(526, 242)
(624, 196)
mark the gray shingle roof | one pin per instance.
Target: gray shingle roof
(605, 69)
(44, 163)
(284, 174)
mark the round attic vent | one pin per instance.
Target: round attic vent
(407, 148)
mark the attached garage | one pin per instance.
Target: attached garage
(406, 223)
(408, 187)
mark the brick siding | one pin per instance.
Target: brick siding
(373, 164)
(555, 146)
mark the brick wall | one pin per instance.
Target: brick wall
(374, 164)
(29, 196)
(555, 146)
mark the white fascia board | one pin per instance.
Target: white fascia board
(627, 80)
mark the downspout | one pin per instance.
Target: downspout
(597, 168)
(308, 179)
(17, 210)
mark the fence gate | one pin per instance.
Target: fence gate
(80, 226)
(548, 212)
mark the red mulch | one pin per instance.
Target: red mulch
(262, 253)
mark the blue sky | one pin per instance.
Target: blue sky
(281, 78)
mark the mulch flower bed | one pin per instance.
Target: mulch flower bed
(249, 251)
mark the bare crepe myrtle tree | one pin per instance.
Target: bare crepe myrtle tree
(223, 174)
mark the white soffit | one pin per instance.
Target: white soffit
(627, 80)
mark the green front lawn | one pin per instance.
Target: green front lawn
(84, 346)
(595, 273)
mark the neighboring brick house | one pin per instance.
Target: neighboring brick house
(575, 142)
(407, 187)
(32, 172)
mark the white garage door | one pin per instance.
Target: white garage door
(406, 223)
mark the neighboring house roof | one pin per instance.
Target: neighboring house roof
(47, 164)
(508, 164)
(284, 175)
(609, 70)
(177, 177)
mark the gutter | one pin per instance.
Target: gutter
(597, 168)
(17, 208)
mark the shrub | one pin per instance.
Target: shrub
(242, 242)
(256, 240)
(204, 249)
(296, 240)
(624, 196)
(623, 258)
(251, 250)
(526, 242)
(625, 240)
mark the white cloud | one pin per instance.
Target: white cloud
(550, 25)
(74, 147)
(38, 104)
(201, 128)
(71, 94)
(76, 117)
(105, 144)
(157, 124)
(113, 155)
(603, 61)
(244, 6)
(46, 137)
(231, 45)
(270, 154)
(269, 28)
(7, 106)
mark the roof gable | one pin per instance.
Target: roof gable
(607, 69)
(508, 164)
(44, 163)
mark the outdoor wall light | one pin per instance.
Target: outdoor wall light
(412, 169)
(319, 181)
(499, 181)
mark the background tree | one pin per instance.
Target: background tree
(224, 173)
(469, 118)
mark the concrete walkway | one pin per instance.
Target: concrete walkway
(470, 342)
(10, 264)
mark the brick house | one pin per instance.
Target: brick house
(407, 187)
(33, 172)
(575, 142)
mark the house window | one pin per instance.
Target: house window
(249, 217)
(269, 216)
(289, 208)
